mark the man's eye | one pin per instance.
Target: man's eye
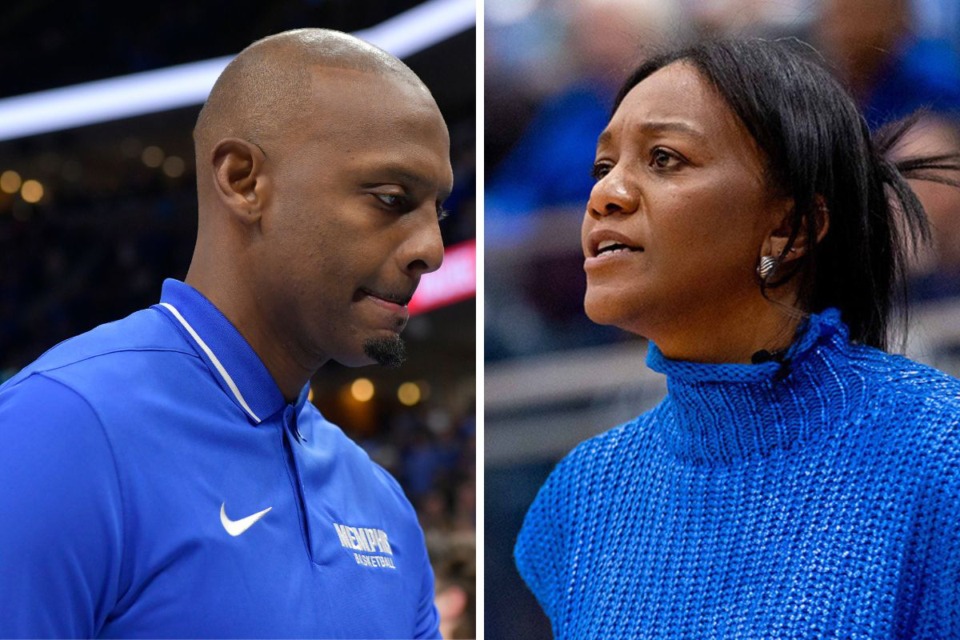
(392, 200)
(600, 170)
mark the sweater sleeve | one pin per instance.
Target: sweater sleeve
(541, 549)
(939, 615)
(60, 514)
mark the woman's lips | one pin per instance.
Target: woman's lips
(611, 257)
(606, 240)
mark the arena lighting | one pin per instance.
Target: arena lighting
(455, 280)
(31, 191)
(422, 26)
(408, 393)
(362, 390)
(187, 84)
(10, 181)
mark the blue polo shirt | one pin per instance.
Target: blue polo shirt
(155, 483)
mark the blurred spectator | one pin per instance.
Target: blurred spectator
(891, 69)
(761, 18)
(455, 567)
(550, 165)
(936, 272)
(432, 452)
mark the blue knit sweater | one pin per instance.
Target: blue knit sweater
(825, 503)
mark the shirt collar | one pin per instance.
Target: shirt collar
(232, 361)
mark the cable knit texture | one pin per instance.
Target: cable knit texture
(819, 499)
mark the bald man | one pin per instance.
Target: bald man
(164, 475)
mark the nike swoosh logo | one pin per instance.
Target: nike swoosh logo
(236, 527)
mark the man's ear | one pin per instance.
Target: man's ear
(780, 236)
(238, 177)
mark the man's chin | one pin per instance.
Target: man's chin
(387, 351)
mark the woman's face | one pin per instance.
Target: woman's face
(680, 213)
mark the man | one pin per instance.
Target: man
(164, 475)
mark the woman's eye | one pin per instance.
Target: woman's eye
(663, 159)
(600, 170)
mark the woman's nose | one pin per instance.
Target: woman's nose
(612, 194)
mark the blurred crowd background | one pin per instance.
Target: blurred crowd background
(93, 218)
(551, 70)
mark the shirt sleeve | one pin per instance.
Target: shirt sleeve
(60, 513)
(428, 619)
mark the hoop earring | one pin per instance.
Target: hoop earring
(768, 264)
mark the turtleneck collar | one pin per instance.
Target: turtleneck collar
(719, 413)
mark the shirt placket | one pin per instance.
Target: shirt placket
(292, 440)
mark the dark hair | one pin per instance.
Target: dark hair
(820, 153)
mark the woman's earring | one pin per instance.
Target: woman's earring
(768, 264)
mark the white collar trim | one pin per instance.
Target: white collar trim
(216, 363)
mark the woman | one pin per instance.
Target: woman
(797, 481)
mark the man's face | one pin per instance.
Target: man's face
(352, 219)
